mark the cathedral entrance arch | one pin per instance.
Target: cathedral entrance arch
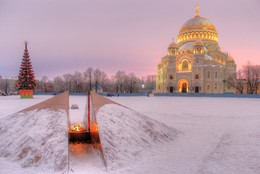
(184, 88)
(197, 88)
(183, 85)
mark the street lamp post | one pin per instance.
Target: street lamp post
(142, 88)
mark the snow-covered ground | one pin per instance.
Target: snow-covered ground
(217, 135)
(220, 135)
(13, 104)
(76, 115)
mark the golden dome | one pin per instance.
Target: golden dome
(173, 44)
(197, 28)
(230, 58)
(197, 24)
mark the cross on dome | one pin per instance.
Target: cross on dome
(197, 10)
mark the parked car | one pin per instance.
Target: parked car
(110, 95)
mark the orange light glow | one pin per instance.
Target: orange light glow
(78, 127)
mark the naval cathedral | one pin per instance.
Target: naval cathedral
(196, 63)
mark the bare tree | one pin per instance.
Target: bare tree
(120, 79)
(1, 86)
(68, 81)
(252, 75)
(236, 81)
(88, 74)
(44, 84)
(150, 82)
(77, 82)
(256, 77)
(130, 82)
(247, 77)
(6, 86)
(97, 78)
(58, 83)
(104, 80)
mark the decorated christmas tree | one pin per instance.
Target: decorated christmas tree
(26, 82)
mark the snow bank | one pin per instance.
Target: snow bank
(126, 135)
(36, 139)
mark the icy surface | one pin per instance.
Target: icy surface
(126, 135)
(37, 139)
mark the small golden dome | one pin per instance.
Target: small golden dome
(230, 58)
(173, 44)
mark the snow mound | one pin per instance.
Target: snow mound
(36, 139)
(126, 135)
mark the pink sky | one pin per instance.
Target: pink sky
(129, 35)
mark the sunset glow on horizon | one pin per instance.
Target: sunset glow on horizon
(131, 35)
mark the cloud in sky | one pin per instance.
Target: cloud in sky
(130, 35)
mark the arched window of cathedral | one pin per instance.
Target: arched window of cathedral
(185, 65)
(197, 50)
(216, 75)
(165, 63)
(170, 76)
(159, 87)
(170, 51)
(208, 74)
(216, 86)
(208, 86)
(196, 76)
(175, 52)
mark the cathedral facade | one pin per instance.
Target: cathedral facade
(195, 64)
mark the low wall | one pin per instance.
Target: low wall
(209, 95)
(60, 101)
